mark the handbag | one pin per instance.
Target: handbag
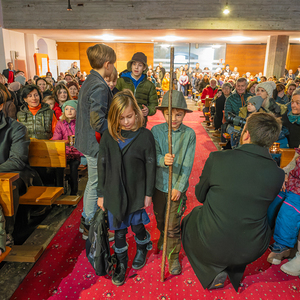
(97, 245)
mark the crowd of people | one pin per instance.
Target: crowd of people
(129, 170)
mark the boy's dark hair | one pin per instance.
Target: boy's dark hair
(263, 128)
(99, 54)
(28, 89)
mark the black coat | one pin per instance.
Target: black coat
(6, 72)
(231, 230)
(126, 176)
(220, 106)
(294, 131)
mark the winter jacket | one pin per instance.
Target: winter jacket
(234, 103)
(40, 125)
(2, 231)
(57, 111)
(62, 130)
(209, 91)
(94, 101)
(145, 92)
(165, 84)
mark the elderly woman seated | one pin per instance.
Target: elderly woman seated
(38, 118)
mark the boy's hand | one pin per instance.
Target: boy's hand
(169, 159)
(145, 110)
(147, 201)
(175, 195)
(100, 203)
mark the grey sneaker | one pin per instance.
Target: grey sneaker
(85, 233)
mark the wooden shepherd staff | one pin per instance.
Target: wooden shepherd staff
(170, 167)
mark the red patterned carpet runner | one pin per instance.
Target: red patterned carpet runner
(63, 271)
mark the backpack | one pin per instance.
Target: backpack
(97, 245)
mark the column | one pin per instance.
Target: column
(277, 48)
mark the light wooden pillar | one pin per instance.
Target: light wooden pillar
(277, 48)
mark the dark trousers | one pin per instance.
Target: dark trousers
(74, 164)
(120, 235)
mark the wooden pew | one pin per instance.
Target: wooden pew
(45, 153)
(42, 153)
(286, 156)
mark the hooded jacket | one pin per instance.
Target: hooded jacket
(145, 92)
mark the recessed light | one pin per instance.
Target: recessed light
(237, 38)
(170, 38)
(108, 37)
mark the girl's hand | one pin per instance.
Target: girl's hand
(147, 201)
(100, 203)
(169, 159)
(175, 195)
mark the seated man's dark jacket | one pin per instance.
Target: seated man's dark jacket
(14, 147)
(231, 229)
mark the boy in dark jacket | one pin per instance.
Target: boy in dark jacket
(94, 100)
(135, 79)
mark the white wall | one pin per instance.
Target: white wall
(26, 45)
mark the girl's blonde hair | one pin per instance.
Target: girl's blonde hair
(120, 102)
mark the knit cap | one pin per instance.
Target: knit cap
(14, 86)
(72, 103)
(21, 79)
(268, 86)
(256, 101)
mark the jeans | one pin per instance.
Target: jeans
(90, 194)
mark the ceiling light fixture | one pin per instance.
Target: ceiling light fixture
(69, 6)
(226, 10)
(170, 38)
(108, 37)
(237, 38)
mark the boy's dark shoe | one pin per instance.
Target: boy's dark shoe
(218, 282)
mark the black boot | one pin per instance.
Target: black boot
(118, 277)
(142, 248)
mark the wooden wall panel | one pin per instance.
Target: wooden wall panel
(247, 58)
(124, 52)
(67, 50)
(293, 57)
